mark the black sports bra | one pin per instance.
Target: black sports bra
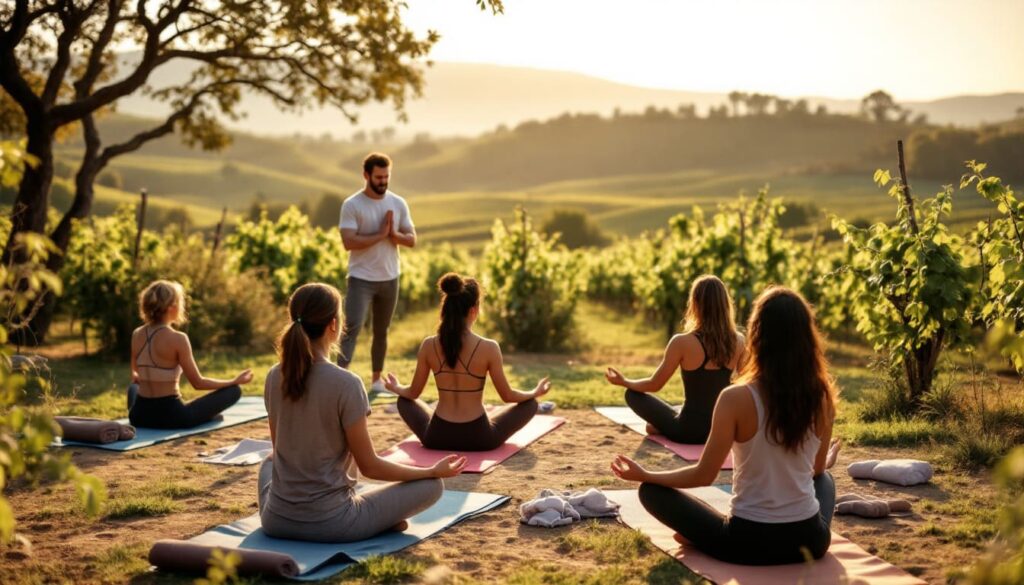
(464, 364)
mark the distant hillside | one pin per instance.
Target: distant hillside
(467, 99)
(583, 147)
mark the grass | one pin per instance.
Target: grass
(140, 506)
(385, 570)
(611, 546)
(120, 560)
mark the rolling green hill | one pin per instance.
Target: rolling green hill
(630, 173)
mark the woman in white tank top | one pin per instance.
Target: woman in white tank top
(778, 424)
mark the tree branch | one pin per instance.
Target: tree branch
(76, 110)
(167, 127)
(71, 20)
(95, 64)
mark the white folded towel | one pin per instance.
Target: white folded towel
(558, 508)
(245, 452)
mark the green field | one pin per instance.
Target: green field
(627, 205)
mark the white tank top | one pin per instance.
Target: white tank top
(771, 484)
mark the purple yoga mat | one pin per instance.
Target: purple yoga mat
(412, 452)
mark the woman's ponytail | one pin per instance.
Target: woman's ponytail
(311, 307)
(458, 296)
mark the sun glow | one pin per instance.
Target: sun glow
(915, 49)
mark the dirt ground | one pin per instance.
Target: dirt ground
(68, 547)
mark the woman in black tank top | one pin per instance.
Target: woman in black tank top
(460, 361)
(712, 342)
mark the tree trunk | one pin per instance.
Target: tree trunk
(91, 166)
(32, 202)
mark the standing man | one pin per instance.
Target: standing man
(374, 223)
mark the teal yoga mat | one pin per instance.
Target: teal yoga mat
(248, 408)
(321, 560)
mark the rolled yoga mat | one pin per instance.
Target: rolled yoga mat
(625, 416)
(247, 409)
(320, 560)
(412, 452)
(93, 430)
(181, 555)
(845, 562)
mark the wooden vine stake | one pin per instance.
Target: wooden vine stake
(220, 229)
(905, 189)
(141, 224)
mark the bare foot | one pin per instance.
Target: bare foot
(400, 527)
(652, 430)
(680, 539)
(833, 453)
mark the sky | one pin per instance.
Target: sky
(914, 49)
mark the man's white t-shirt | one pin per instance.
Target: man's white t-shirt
(360, 212)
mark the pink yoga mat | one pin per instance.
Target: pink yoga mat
(629, 419)
(845, 562)
(412, 452)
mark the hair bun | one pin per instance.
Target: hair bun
(451, 284)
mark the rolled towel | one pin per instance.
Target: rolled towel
(89, 430)
(865, 507)
(903, 472)
(180, 555)
(127, 433)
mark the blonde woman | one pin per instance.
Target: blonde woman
(707, 354)
(160, 354)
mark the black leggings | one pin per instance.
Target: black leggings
(681, 426)
(170, 412)
(481, 434)
(739, 541)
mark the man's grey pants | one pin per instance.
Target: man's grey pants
(360, 296)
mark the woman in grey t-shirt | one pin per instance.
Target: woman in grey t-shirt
(318, 429)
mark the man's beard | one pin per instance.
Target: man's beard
(379, 189)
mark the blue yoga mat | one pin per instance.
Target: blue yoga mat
(321, 560)
(248, 408)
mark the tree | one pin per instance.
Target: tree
(59, 65)
(1020, 112)
(878, 105)
(757, 103)
(736, 98)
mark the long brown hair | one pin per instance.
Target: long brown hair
(311, 307)
(458, 296)
(787, 360)
(709, 313)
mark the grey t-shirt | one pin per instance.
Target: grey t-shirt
(314, 471)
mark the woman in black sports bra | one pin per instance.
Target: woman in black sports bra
(460, 361)
(707, 354)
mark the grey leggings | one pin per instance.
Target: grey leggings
(481, 434)
(744, 542)
(369, 512)
(359, 297)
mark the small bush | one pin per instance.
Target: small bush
(891, 399)
(531, 287)
(576, 229)
(972, 451)
(111, 179)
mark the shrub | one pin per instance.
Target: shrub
(531, 286)
(575, 228)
